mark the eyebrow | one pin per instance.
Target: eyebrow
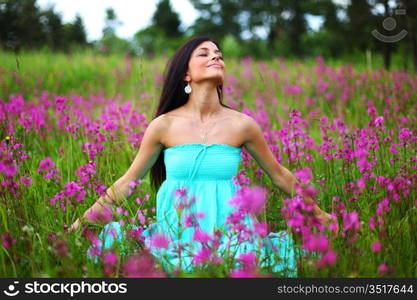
(204, 48)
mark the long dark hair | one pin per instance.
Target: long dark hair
(173, 95)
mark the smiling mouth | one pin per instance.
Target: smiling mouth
(218, 66)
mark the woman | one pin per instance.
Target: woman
(195, 141)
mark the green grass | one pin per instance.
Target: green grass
(84, 77)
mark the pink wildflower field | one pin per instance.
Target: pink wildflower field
(71, 126)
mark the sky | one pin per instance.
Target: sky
(135, 14)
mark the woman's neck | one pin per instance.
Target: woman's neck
(203, 103)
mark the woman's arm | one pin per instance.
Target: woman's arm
(280, 176)
(147, 155)
(116, 192)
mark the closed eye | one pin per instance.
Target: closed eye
(221, 57)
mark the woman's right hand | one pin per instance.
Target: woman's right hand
(75, 226)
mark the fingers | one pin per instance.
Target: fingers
(72, 228)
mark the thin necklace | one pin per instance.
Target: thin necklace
(204, 134)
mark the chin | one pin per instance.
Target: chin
(215, 79)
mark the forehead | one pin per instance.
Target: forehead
(207, 46)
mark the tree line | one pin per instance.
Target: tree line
(259, 28)
(24, 25)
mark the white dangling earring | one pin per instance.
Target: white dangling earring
(188, 88)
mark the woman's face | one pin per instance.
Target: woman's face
(206, 63)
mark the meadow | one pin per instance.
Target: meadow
(72, 124)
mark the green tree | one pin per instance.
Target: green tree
(163, 36)
(110, 42)
(218, 18)
(20, 24)
(361, 22)
(167, 20)
(411, 26)
(24, 25)
(285, 21)
(53, 29)
(111, 22)
(76, 31)
(149, 41)
(330, 39)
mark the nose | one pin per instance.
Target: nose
(216, 56)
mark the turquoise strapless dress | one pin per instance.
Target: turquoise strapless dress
(206, 170)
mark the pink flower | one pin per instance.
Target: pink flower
(181, 192)
(100, 189)
(27, 181)
(110, 125)
(46, 164)
(73, 190)
(383, 268)
(190, 221)
(60, 103)
(362, 182)
(184, 202)
(316, 242)
(8, 167)
(249, 268)
(159, 241)
(85, 171)
(248, 259)
(363, 164)
(371, 223)
(201, 236)
(361, 152)
(379, 121)
(141, 218)
(351, 221)
(261, 229)
(304, 175)
(200, 215)
(8, 240)
(235, 217)
(404, 134)
(134, 183)
(110, 258)
(249, 200)
(141, 265)
(376, 246)
(202, 256)
(393, 149)
(105, 215)
(328, 259)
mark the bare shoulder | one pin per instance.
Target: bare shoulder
(160, 121)
(158, 126)
(244, 118)
(236, 116)
(247, 126)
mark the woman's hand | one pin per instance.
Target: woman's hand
(74, 227)
(326, 220)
